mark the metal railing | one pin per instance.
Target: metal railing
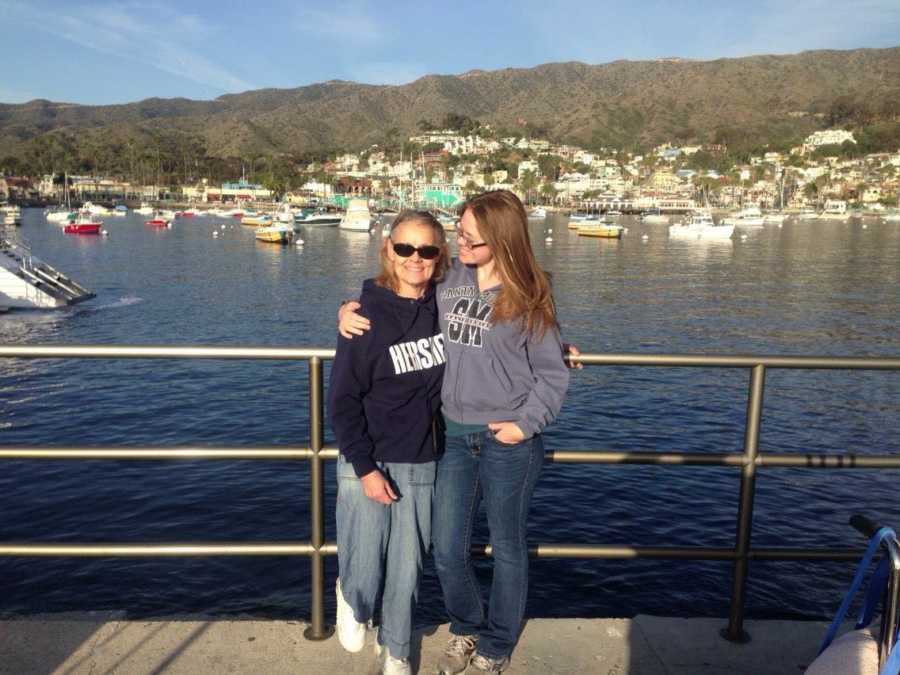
(748, 460)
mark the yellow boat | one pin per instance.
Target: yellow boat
(276, 234)
(600, 229)
(263, 219)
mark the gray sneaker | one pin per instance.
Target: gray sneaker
(455, 658)
(485, 664)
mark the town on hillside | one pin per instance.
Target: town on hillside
(440, 167)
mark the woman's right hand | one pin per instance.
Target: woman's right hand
(377, 488)
(349, 322)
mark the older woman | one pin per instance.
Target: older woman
(384, 402)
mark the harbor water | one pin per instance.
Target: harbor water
(807, 288)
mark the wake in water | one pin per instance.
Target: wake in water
(124, 301)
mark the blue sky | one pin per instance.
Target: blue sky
(114, 52)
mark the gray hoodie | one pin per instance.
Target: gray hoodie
(495, 372)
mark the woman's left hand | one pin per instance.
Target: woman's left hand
(507, 432)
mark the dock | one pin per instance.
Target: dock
(94, 643)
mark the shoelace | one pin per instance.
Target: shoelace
(461, 644)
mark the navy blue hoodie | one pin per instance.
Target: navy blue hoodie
(384, 397)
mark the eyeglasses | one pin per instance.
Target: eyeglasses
(466, 241)
(425, 252)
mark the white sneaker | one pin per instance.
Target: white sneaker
(390, 665)
(351, 633)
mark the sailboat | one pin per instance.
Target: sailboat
(62, 214)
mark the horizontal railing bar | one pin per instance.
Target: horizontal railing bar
(163, 549)
(737, 361)
(161, 352)
(282, 353)
(568, 456)
(587, 551)
(27, 452)
(817, 461)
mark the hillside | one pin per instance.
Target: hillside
(624, 103)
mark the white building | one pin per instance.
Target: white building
(829, 137)
(529, 165)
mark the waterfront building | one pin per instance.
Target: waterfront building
(528, 165)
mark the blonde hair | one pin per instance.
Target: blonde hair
(388, 277)
(525, 293)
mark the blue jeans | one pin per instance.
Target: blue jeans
(382, 547)
(478, 468)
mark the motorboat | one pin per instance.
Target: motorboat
(83, 224)
(144, 209)
(749, 216)
(30, 283)
(613, 213)
(358, 218)
(95, 209)
(321, 218)
(654, 217)
(599, 228)
(259, 220)
(835, 209)
(773, 219)
(158, 220)
(700, 225)
(12, 215)
(578, 217)
(120, 210)
(61, 216)
(284, 213)
(537, 213)
(279, 233)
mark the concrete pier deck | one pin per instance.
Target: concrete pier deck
(104, 644)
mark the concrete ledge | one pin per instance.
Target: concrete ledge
(91, 644)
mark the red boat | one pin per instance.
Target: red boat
(82, 228)
(156, 222)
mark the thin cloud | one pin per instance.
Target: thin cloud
(348, 23)
(386, 72)
(126, 31)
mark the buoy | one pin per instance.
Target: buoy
(223, 227)
(743, 237)
(105, 233)
(644, 237)
(624, 230)
(215, 235)
(549, 240)
(299, 242)
(780, 225)
(865, 227)
(169, 224)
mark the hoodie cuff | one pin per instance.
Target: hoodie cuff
(363, 465)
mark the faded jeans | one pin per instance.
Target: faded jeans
(478, 468)
(382, 547)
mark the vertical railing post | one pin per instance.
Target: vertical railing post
(735, 630)
(317, 629)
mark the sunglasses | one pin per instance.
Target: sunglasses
(425, 252)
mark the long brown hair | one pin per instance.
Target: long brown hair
(387, 277)
(525, 294)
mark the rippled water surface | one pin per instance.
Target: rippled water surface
(807, 288)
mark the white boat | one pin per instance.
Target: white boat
(61, 216)
(11, 215)
(95, 209)
(654, 217)
(358, 218)
(749, 216)
(613, 213)
(538, 213)
(700, 225)
(320, 218)
(773, 219)
(284, 214)
(30, 283)
(835, 209)
(145, 209)
(893, 217)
